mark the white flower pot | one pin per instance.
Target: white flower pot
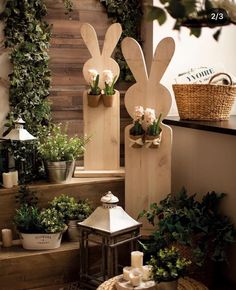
(41, 241)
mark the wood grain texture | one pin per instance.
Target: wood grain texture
(101, 123)
(68, 53)
(148, 171)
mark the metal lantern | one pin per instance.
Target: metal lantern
(19, 134)
(102, 234)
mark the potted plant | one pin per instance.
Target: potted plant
(153, 129)
(59, 152)
(108, 91)
(197, 228)
(94, 92)
(136, 132)
(72, 211)
(167, 267)
(39, 229)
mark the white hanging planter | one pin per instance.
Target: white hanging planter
(41, 241)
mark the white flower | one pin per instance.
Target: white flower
(149, 116)
(138, 112)
(92, 75)
(107, 76)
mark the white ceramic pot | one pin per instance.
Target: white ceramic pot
(41, 241)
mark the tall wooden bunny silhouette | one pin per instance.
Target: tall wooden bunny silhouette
(101, 123)
(147, 171)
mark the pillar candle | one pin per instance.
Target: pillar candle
(6, 237)
(135, 277)
(7, 180)
(14, 176)
(136, 259)
(147, 272)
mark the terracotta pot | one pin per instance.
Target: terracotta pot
(93, 100)
(169, 285)
(108, 100)
(134, 139)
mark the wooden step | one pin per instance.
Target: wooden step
(23, 269)
(80, 188)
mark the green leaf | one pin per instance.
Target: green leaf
(216, 35)
(196, 31)
(157, 13)
(176, 9)
(190, 6)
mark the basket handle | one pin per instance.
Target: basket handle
(221, 73)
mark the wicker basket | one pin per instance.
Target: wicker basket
(206, 102)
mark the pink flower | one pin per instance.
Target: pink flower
(138, 113)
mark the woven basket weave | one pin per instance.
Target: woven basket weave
(206, 102)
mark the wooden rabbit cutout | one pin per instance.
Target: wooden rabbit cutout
(147, 171)
(101, 123)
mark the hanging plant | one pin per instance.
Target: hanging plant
(129, 15)
(27, 36)
(196, 14)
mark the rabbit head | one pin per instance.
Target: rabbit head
(147, 91)
(101, 61)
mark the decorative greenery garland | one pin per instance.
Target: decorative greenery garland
(28, 36)
(129, 14)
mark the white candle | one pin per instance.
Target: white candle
(147, 272)
(7, 180)
(135, 277)
(136, 259)
(14, 176)
(6, 237)
(126, 272)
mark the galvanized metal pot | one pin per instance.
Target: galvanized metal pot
(73, 231)
(59, 171)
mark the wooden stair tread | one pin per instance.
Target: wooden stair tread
(73, 182)
(18, 252)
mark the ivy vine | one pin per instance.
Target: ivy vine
(129, 14)
(27, 36)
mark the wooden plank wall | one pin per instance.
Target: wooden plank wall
(68, 54)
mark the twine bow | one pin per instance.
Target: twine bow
(153, 143)
(138, 141)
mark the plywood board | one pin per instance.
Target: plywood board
(102, 123)
(148, 171)
(81, 172)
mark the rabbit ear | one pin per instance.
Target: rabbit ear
(89, 36)
(134, 56)
(111, 39)
(163, 54)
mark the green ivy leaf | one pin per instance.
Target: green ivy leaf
(157, 13)
(196, 31)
